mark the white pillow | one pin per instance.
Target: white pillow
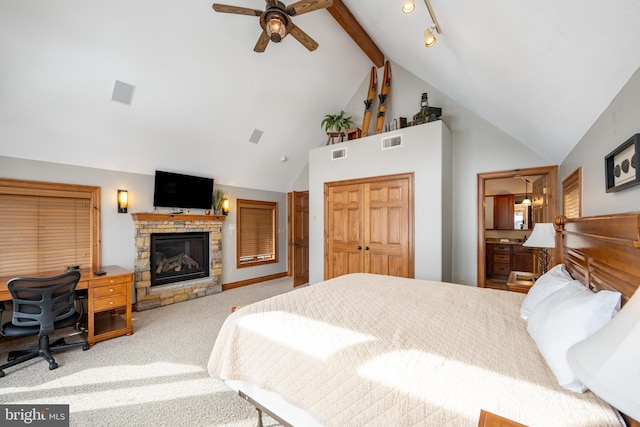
(553, 280)
(565, 317)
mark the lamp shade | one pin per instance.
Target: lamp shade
(543, 236)
(608, 362)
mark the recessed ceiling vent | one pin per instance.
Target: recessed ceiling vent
(339, 153)
(392, 142)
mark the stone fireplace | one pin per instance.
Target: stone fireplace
(194, 286)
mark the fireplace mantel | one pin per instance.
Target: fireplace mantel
(149, 216)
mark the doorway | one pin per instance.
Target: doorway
(298, 231)
(544, 211)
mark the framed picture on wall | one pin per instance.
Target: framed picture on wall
(621, 165)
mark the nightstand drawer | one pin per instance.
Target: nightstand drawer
(101, 304)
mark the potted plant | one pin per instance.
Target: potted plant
(335, 124)
(218, 198)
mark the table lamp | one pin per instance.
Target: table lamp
(608, 362)
(543, 236)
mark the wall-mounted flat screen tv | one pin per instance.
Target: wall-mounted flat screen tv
(175, 190)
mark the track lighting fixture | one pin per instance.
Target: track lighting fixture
(429, 38)
(408, 6)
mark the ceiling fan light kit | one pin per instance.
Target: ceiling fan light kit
(275, 24)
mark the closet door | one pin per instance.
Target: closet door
(343, 230)
(369, 226)
(386, 228)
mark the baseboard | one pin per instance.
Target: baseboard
(239, 284)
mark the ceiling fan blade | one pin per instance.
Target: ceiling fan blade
(303, 38)
(304, 6)
(225, 8)
(262, 43)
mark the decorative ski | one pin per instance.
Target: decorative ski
(368, 103)
(382, 106)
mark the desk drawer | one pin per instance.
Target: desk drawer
(116, 301)
(110, 291)
(111, 280)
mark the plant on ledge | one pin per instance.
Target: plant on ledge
(334, 124)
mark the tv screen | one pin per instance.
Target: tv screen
(182, 191)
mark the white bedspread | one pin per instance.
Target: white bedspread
(366, 349)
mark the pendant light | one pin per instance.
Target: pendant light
(526, 201)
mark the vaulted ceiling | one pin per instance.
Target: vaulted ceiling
(541, 71)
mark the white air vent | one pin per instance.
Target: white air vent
(339, 153)
(392, 142)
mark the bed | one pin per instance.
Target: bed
(367, 349)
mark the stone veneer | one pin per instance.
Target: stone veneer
(156, 296)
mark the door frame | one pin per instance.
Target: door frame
(551, 211)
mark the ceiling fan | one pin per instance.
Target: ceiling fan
(276, 21)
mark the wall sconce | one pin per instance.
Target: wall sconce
(123, 201)
(408, 6)
(225, 206)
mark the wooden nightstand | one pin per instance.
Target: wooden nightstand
(520, 281)
(487, 419)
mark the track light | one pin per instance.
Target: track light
(429, 38)
(408, 6)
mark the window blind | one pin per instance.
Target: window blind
(256, 231)
(572, 194)
(43, 233)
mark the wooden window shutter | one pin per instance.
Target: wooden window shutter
(572, 195)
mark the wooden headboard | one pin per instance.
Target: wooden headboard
(603, 252)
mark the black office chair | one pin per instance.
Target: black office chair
(40, 306)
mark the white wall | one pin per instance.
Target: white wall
(118, 231)
(425, 149)
(617, 123)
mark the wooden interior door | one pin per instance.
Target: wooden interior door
(386, 228)
(369, 226)
(299, 243)
(344, 230)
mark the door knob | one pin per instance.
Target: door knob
(359, 247)
(366, 248)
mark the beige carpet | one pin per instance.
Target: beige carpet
(155, 377)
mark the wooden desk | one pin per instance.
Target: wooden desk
(520, 281)
(108, 313)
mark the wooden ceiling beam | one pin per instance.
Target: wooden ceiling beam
(345, 18)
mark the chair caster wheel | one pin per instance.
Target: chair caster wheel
(53, 366)
(1, 374)
(86, 347)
